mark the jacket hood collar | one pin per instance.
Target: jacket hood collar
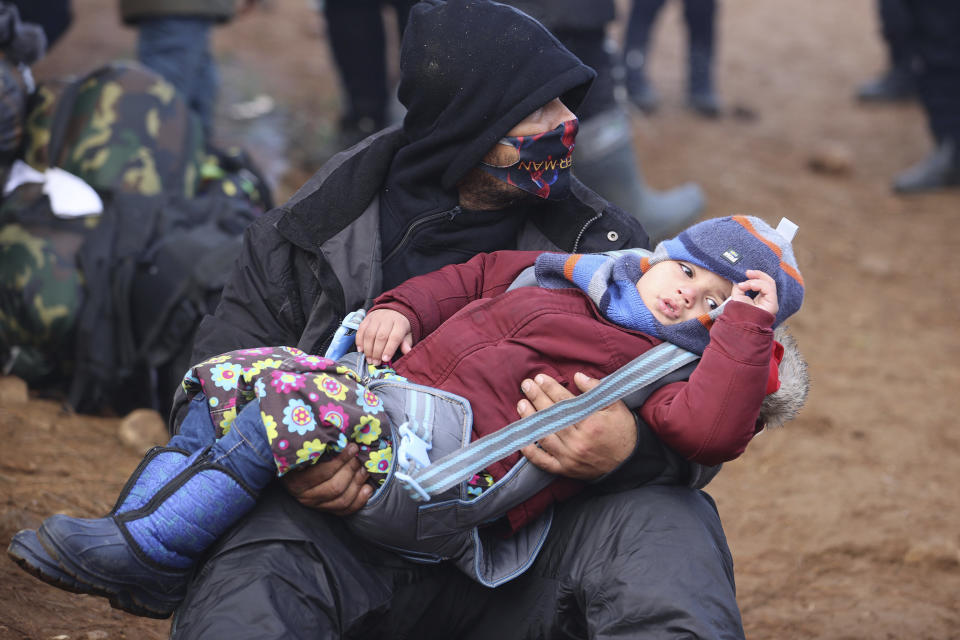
(469, 71)
(339, 191)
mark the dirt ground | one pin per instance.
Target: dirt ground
(841, 523)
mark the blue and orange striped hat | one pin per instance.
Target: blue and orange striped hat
(731, 245)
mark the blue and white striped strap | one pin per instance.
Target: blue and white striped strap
(460, 465)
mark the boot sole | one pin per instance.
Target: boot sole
(121, 597)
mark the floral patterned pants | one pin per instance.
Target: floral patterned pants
(310, 406)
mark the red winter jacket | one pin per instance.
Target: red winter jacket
(473, 339)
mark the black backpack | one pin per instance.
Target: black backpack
(155, 267)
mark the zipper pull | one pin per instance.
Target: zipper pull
(453, 213)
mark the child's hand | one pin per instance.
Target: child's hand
(381, 333)
(765, 287)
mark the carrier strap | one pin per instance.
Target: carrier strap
(461, 464)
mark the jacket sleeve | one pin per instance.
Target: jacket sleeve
(428, 300)
(257, 306)
(713, 416)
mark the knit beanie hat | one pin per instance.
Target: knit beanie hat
(731, 245)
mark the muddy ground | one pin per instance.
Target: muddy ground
(841, 523)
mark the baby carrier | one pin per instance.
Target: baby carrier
(422, 510)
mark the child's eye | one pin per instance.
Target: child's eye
(713, 304)
(686, 270)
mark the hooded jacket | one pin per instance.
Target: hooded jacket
(322, 254)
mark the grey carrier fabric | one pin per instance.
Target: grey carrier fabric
(429, 424)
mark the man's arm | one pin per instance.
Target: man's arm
(612, 448)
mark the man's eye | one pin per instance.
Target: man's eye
(686, 270)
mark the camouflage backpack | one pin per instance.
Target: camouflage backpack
(120, 127)
(123, 128)
(106, 305)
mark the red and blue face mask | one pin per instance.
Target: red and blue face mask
(543, 163)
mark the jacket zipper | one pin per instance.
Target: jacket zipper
(452, 213)
(583, 230)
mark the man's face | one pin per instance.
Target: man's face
(546, 118)
(480, 190)
(675, 291)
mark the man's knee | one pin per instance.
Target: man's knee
(635, 517)
(276, 589)
(652, 561)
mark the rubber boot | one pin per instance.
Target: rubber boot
(27, 551)
(141, 559)
(604, 161)
(940, 169)
(141, 556)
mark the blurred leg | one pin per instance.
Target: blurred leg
(179, 50)
(358, 43)
(292, 573)
(636, 46)
(938, 23)
(700, 16)
(898, 81)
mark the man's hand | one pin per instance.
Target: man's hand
(336, 486)
(588, 449)
(381, 333)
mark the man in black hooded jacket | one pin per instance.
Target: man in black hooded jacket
(619, 562)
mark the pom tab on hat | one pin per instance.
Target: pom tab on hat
(787, 228)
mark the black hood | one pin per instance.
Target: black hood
(469, 71)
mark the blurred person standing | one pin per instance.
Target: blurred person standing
(358, 42)
(174, 41)
(937, 23)
(700, 17)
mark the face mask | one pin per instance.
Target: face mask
(543, 164)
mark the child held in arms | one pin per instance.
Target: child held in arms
(717, 289)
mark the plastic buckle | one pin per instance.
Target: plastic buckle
(344, 337)
(416, 492)
(412, 449)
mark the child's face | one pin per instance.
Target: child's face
(676, 291)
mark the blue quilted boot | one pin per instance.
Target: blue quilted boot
(159, 464)
(141, 556)
(141, 559)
